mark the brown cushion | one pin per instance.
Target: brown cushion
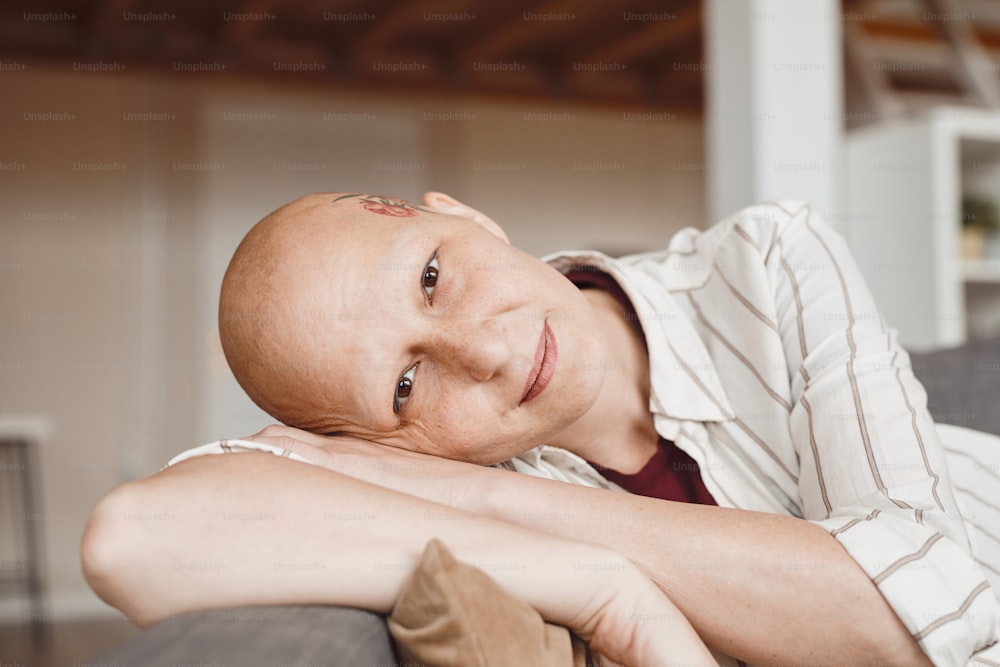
(452, 614)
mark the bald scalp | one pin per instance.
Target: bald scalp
(263, 324)
(252, 318)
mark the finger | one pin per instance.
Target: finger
(602, 661)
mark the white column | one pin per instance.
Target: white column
(774, 96)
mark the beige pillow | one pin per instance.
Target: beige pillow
(450, 614)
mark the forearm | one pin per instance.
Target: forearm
(753, 584)
(258, 529)
(231, 530)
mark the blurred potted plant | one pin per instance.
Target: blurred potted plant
(980, 227)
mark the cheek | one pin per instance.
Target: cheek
(496, 280)
(460, 427)
(472, 431)
(581, 373)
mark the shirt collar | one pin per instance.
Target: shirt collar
(684, 382)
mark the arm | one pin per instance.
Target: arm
(259, 529)
(752, 584)
(873, 471)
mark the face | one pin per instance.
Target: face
(423, 328)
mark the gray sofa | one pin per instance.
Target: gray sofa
(963, 386)
(250, 636)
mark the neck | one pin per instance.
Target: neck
(617, 432)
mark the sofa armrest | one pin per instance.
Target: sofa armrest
(265, 635)
(962, 384)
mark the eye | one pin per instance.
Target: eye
(430, 276)
(404, 387)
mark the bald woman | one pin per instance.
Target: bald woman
(413, 354)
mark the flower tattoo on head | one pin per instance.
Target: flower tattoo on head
(395, 208)
(398, 210)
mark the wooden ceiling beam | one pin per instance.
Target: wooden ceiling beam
(237, 32)
(913, 27)
(109, 18)
(898, 54)
(974, 65)
(874, 81)
(401, 17)
(17, 35)
(530, 31)
(638, 44)
(509, 37)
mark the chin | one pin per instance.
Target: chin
(578, 394)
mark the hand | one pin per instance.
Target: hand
(629, 621)
(437, 479)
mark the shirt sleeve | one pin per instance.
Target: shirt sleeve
(872, 469)
(545, 461)
(240, 446)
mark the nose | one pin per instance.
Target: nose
(474, 348)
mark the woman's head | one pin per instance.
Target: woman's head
(420, 327)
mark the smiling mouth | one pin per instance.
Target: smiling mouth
(546, 354)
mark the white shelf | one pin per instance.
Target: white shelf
(981, 271)
(905, 181)
(29, 427)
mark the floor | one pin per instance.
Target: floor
(69, 643)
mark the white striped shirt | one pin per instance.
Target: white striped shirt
(772, 368)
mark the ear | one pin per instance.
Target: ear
(442, 203)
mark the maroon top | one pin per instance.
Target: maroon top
(670, 474)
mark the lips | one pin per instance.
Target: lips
(546, 355)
